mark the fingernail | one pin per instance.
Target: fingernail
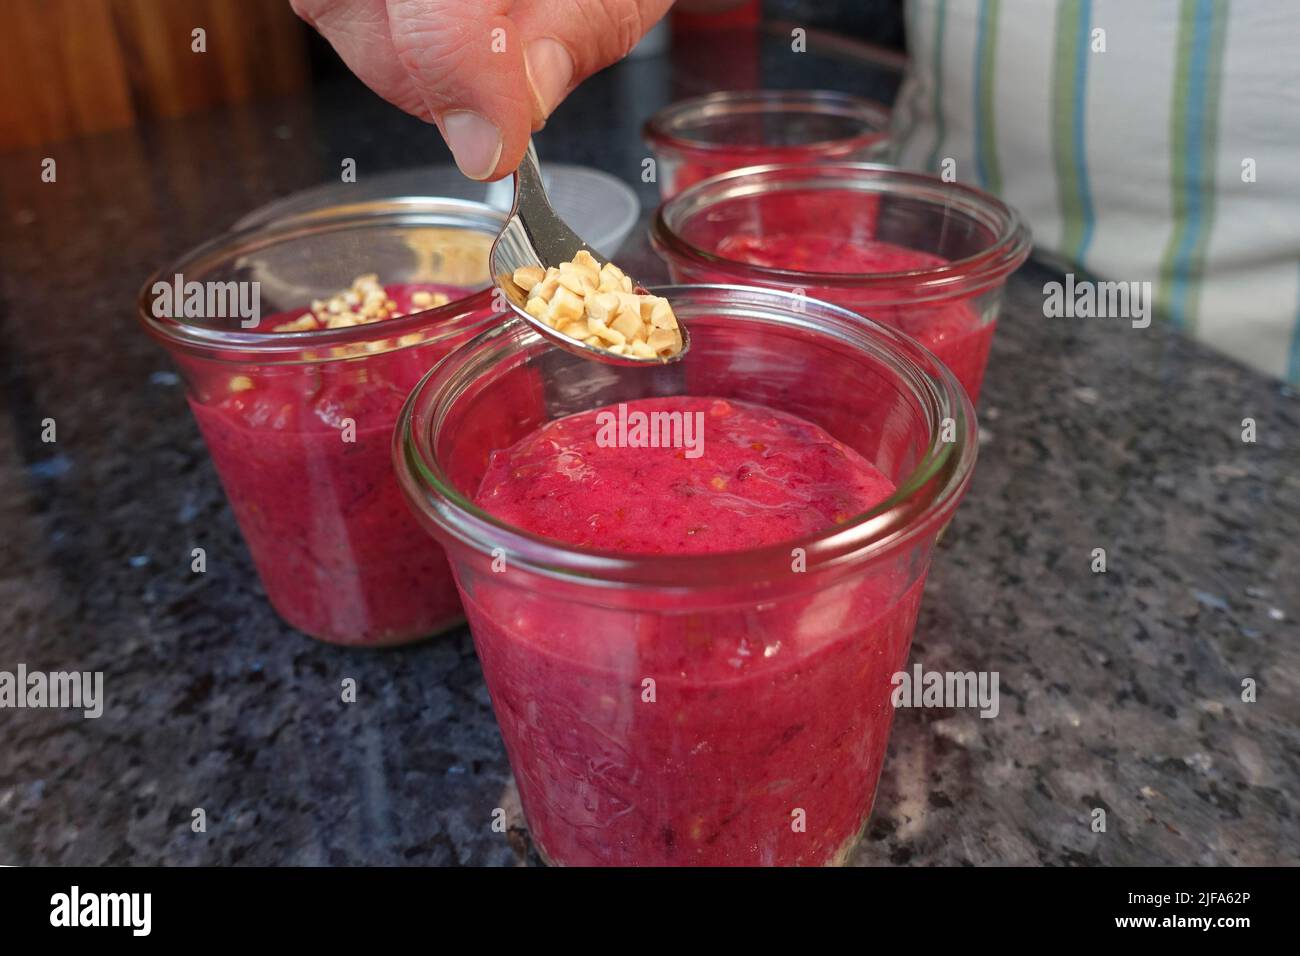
(474, 142)
(550, 70)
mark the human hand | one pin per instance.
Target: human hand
(487, 72)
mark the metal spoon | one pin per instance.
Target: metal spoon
(534, 235)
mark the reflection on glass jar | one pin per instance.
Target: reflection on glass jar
(297, 409)
(693, 706)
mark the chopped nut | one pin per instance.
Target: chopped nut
(240, 383)
(546, 288)
(661, 315)
(664, 341)
(528, 276)
(537, 307)
(627, 325)
(604, 306)
(604, 332)
(565, 306)
(597, 305)
(304, 323)
(576, 280)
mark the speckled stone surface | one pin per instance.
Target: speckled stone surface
(1119, 690)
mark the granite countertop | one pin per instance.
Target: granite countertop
(1119, 690)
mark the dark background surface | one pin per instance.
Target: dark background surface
(1119, 691)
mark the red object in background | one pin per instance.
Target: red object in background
(747, 14)
(734, 65)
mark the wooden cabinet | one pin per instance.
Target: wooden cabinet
(73, 67)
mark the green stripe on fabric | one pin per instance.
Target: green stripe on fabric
(941, 16)
(986, 155)
(1209, 164)
(1066, 62)
(1194, 138)
(1177, 155)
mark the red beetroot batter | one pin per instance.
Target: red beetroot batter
(335, 544)
(952, 330)
(761, 711)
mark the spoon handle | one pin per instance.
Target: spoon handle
(530, 192)
(548, 234)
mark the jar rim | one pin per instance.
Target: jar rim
(665, 128)
(922, 502)
(990, 266)
(320, 345)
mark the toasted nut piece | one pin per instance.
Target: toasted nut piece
(616, 349)
(537, 307)
(629, 302)
(545, 289)
(605, 333)
(343, 321)
(240, 383)
(604, 306)
(585, 261)
(528, 276)
(630, 324)
(641, 350)
(611, 278)
(566, 306)
(304, 323)
(661, 315)
(664, 341)
(576, 280)
(627, 325)
(421, 299)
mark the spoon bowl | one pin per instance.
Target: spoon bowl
(534, 235)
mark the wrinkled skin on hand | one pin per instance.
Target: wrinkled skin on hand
(456, 62)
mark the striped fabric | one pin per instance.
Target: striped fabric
(1146, 141)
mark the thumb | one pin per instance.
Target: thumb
(466, 63)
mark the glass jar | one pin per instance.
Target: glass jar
(701, 137)
(710, 709)
(299, 423)
(907, 249)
